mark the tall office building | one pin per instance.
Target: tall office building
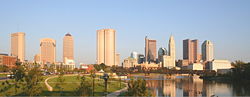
(117, 59)
(150, 50)
(190, 51)
(171, 48)
(161, 52)
(68, 47)
(134, 55)
(37, 58)
(106, 46)
(48, 50)
(18, 45)
(207, 51)
(169, 59)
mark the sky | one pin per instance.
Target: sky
(225, 22)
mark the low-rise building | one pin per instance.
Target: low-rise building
(219, 64)
(195, 66)
(1, 58)
(70, 64)
(151, 65)
(9, 61)
(168, 62)
(129, 62)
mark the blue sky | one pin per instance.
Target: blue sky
(225, 22)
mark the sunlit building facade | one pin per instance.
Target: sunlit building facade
(106, 46)
(171, 49)
(48, 50)
(68, 47)
(18, 45)
(37, 58)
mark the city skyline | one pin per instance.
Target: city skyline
(230, 40)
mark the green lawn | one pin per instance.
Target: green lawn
(3, 75)
(70, 84)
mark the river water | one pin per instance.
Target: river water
(184, 85)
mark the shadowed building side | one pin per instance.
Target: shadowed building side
(150, 50)
(207, 51)
(190, 51)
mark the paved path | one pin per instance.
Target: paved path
(47, 85)
(46, 81)
(3, 78)
(118, 92)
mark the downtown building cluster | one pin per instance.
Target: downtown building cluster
(192, 58)
(46, 56)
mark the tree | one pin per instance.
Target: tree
(32, 79)
(84, 89)
(4, 68)
(19, 74)
(241, 71)
(137, 88)
(4, 87)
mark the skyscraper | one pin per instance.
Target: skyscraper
(171, 48)
(48, 50)
(106, 46)
(190, 50)
(117, 59)
(161, 52)
(207, 51)
(37, 58)
(150, 50)
(18, 45)
(169, 59)
(68, 47)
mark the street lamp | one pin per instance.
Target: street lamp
(93, 83)
(120, 79)
(105, 77)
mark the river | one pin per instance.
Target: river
(184, 85)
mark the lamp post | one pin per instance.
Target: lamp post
(105, 77)
(120, 79)
(93, 83)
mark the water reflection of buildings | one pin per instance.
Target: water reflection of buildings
(160, 87)
(193, 87)
(169, 88)
(156, 87)
(186, 86)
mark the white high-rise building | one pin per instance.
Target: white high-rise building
(207, 51)
(171, 49)
(169, 60)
